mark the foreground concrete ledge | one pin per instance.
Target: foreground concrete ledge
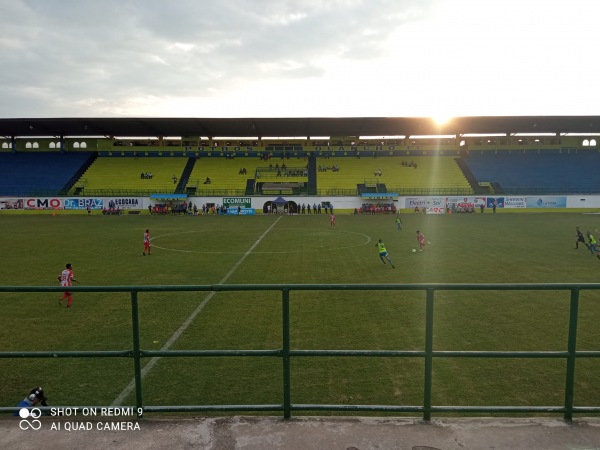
(263, 433)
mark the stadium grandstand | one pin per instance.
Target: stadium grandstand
(333, 156)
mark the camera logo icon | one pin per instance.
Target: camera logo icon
(34, 414)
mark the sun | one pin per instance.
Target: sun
(441, 119)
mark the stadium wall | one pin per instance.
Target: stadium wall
(432, 204)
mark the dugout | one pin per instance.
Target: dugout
(281, 206)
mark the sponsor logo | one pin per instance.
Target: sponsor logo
(546, 202)
(83, 203)
(436, 210)
(411, 202)
(127, 201)
(42, 203)
(244, 202)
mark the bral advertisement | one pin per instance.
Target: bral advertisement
(83, 203)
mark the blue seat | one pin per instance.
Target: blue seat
(550, 172)
(39, 173)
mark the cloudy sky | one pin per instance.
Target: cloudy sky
(298, 58)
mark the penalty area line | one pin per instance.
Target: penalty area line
(184, 326)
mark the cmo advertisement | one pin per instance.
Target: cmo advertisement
(43, 203)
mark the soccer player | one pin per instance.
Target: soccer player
(66, 279)
(383, 253)
(146, 242)
(591, 243)
(580, 238)
(332, 221)
(421, 240)
(398, 224)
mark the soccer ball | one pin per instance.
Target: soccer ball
(414, 250)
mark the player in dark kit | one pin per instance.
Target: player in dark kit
(580, 238)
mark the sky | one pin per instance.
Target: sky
(298, 58)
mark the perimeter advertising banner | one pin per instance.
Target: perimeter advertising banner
(500, 202)
(515, 202)
(243, 202)
(42, 203)
(243, 211)
(124, 202)
(546, 202)
(436, 205)
(83, 203)
(465, 202)
(11, 203)
(415, 202)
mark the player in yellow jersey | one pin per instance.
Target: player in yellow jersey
(383, 253)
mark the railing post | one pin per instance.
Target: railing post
(571, 350)
(137, 364)
(287, 407)
(428, 356)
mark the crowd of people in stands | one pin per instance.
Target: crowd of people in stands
(324, 168)
(285, 171)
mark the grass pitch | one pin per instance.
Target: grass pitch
(478, 248)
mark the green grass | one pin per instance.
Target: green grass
(480, 248)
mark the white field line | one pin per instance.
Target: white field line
(148, 367)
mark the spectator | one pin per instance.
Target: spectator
(35, 397)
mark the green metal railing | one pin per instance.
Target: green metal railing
(286, 353)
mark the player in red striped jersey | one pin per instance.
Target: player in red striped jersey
(66, 278)
(146, 242)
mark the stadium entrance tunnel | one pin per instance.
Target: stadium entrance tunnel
(280, 206)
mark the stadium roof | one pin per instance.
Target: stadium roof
(295, 127)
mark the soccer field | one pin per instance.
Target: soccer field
(205, 250)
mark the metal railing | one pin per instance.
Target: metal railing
(286, 353)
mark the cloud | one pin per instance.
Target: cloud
(78, 55)
(146, 57)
